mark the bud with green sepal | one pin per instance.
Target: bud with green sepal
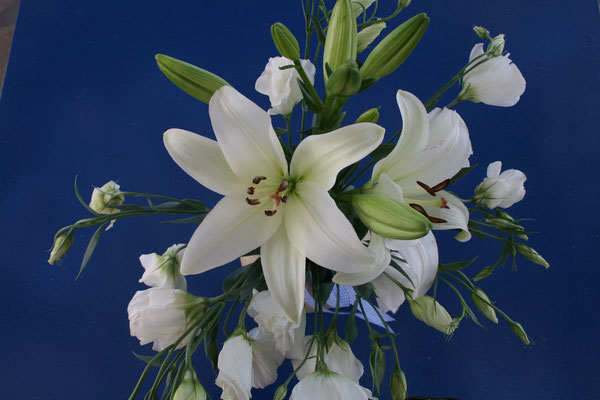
(518, 330)
(285, 41)
(62, 244)
(342, 38)
(482, 302)
(371, 115)
(344, 81)
(195, 81)
(281, 392)
(398, 387)
(432, 313)
(395, 48)
(106, 198)
(190, 387)
(532, 255)
(390, 218)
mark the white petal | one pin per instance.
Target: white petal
(377, 246)
(319, 229)
(235, 369)
(319, 158)
(246, 136)
(202, 159)
(341, 359)
(230, 230)
(476, 51)
(493, 170)
(284, 270)
(456, 215)
(388, 188)
(414, 138)
(265, 360)
(389, 295)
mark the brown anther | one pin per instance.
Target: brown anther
(418, 208)
(436, 220)
(284, 199)
(250, 190)
(426, 188)
(284, 184)
(252, 202)
(270, 213)
(257, 179)
(441, 186)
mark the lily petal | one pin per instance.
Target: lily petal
(202, 159)
(456, 215)
(321, 231)
(245, 135)
(377, 246)
(319, 158)
(284, 270)
(230, 230)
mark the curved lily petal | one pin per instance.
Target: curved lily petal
(202, 159)
(230, 230)
(319, 229)
(388, 188)
(414, 138)
(284, 270)
(319, 158)
(456, 215)
(377, 246)
(245, 135)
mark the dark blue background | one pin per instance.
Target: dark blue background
(83, 96)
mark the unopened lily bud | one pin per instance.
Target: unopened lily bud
(345, 81)
(62, 244)
(341, 40)
(368, 34)
(517, 328)
(106, 197)
(398, 385)
(190, 387)
(481, 32)
(496, 46)
(371, 115)
(482, 302)
(531, 255)
(285, 41)
(390, 218)
(281, 392)
(428, 310)
(195, 81)
(391, 52)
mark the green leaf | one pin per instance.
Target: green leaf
(308, 98)
(200, 205)
(351, 331)
(83, 203)
(155, 362)
(484, 273)
(90, 248)
(382, 151)
(377, 364)
(280, 131)
(463, 171)
(458, 265)
(196, 219)
(211, 348)
(318, 30)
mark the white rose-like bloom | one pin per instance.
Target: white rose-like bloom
(496, 82)
(501, 189)
(265, 360)
(106, 197)
(235, 369)
(164, 270)
(327, 385)
(339, 358)
(159, 315)
(273, 323)
(281, 85)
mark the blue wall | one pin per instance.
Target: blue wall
(83, 96)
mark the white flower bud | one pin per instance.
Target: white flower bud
(501, 189)
(496, 46)
(164, 270)
(359, 6)
(281, 85)
(327, 385)
(496, 82)
(159, 315)
(62, 244)
(428, 310)
(190, 387)
(482, 302)
(106, 197)
(368, 34)
(235, 369)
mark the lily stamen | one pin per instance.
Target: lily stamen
(257, 179)
(252, 202)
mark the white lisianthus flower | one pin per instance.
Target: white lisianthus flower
(159, 315)
(429, 311)
(501, 189)
(368, 34)
(339, 358)
(288, 212)
(359, 6)
(281, 85)
(430, 151)
(287, 335)
(496, 82)
(106, 197)
(265, 360)
(164, 270)
(328, 385)
(235, 369)
(190, 387)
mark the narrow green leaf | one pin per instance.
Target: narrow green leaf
(90, 248)
(351, 331)
(155, 362)
(83, 203)
(318, 30)
(308, 98)
(196, 219)
(463, 171)
(211, 348)
(458, 265)
(382, 151)
(377, 364)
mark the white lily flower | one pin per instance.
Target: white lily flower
(328, 385)
(431, 150)
(164, 270)
(339, 358)
(290, 215)
(501, 189)
(265, 360)
(368, 34)
(274, 324)
(235, 369)
(282, 85)
(496, 82)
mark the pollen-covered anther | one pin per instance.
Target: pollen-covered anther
(257, 179)
(252, 202)
(284, 199)
(284, 184)
(270, 213)
(420, 209)
(250, 190)
(426, 188)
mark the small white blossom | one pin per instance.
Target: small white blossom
(235, 369)
(328, 385)
(164, 270)
(501, 189)
(339, 358)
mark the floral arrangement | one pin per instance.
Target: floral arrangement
(316, 251)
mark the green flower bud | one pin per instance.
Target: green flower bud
(402, 4)
(428, 310)
(484, 273)
(531, 255)
(62, 244)
(390, 218)
(504, 224)
(190, 387)
(281, 392)
(496, 46)
(391, 52)
(345, 81)
(481, 32)
(398, 384)
(285, 41)
(371, 115)
(341, 40)
(105, 198)
(368, 34)
(482, 302)
(195, 81)
(517, 328)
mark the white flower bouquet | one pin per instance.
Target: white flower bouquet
(310, 239)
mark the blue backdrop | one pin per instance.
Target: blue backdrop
(83, 96)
